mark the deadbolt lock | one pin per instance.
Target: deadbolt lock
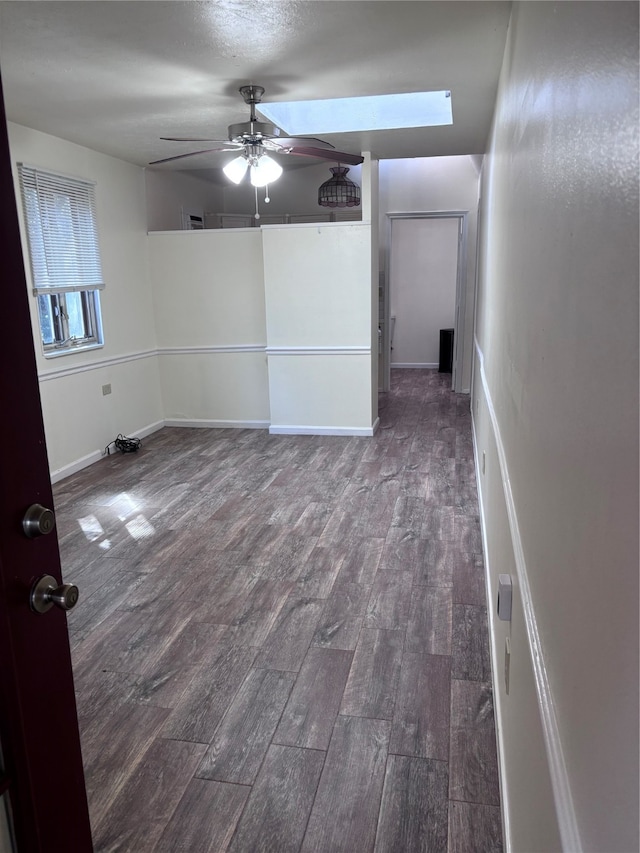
(38, 521)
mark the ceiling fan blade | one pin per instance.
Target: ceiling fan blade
(190, 154)
(326, 154)
(192, 139)
(293, 141)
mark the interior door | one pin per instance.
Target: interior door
(43, 779)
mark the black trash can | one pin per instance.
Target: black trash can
(446, 351)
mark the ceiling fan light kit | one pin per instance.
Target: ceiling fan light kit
(339, 191)
(265, 171)
(236, 169)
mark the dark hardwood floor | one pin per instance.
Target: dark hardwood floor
(281, 641)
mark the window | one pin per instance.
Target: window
(60, 214)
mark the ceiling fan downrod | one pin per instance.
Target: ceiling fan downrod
(253, 130)
(252, 95)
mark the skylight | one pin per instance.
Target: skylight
(374, 112)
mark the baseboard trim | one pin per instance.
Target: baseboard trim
(97, 455)
(565, 812)
(201, 423)
(148, 430)
(205, 423)
(77, 465)
(414, 364)
(286, 429)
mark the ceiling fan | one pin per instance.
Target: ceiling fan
(254, 140)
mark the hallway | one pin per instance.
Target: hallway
(281, 642)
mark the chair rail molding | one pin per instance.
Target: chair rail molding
(567, 822)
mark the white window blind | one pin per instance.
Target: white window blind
(62, 232)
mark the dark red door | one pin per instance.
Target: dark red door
(38, 723)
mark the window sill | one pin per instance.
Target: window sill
(71, 350)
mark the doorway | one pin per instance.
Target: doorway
(423, 291)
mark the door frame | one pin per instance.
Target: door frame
(461, 293)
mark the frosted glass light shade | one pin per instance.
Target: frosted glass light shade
(236, 169)
(266, 171)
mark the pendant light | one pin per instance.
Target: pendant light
(339, 191)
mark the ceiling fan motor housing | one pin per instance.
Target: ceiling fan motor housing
(252, 131)
(251, 94)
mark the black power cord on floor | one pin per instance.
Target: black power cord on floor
(123, 444)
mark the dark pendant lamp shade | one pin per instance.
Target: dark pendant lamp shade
(339, 191)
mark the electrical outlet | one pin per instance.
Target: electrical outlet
(507, 663)
(106, 389)
(483, 461)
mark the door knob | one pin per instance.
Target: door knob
(46, 592)
(38, 521)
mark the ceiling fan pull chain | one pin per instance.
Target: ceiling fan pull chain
(266, 194)
(257, 215)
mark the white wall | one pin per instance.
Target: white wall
(318, 301)
(208, 291)
(260, 327)
(426, 185)
(170, 194)
(79, 421)
(423, 279)
(555, 405)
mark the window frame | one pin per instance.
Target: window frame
(63, 342)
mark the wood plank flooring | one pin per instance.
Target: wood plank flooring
(281, 641)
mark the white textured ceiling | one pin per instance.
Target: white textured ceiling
(116, 76)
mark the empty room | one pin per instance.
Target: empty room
(320, 458)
